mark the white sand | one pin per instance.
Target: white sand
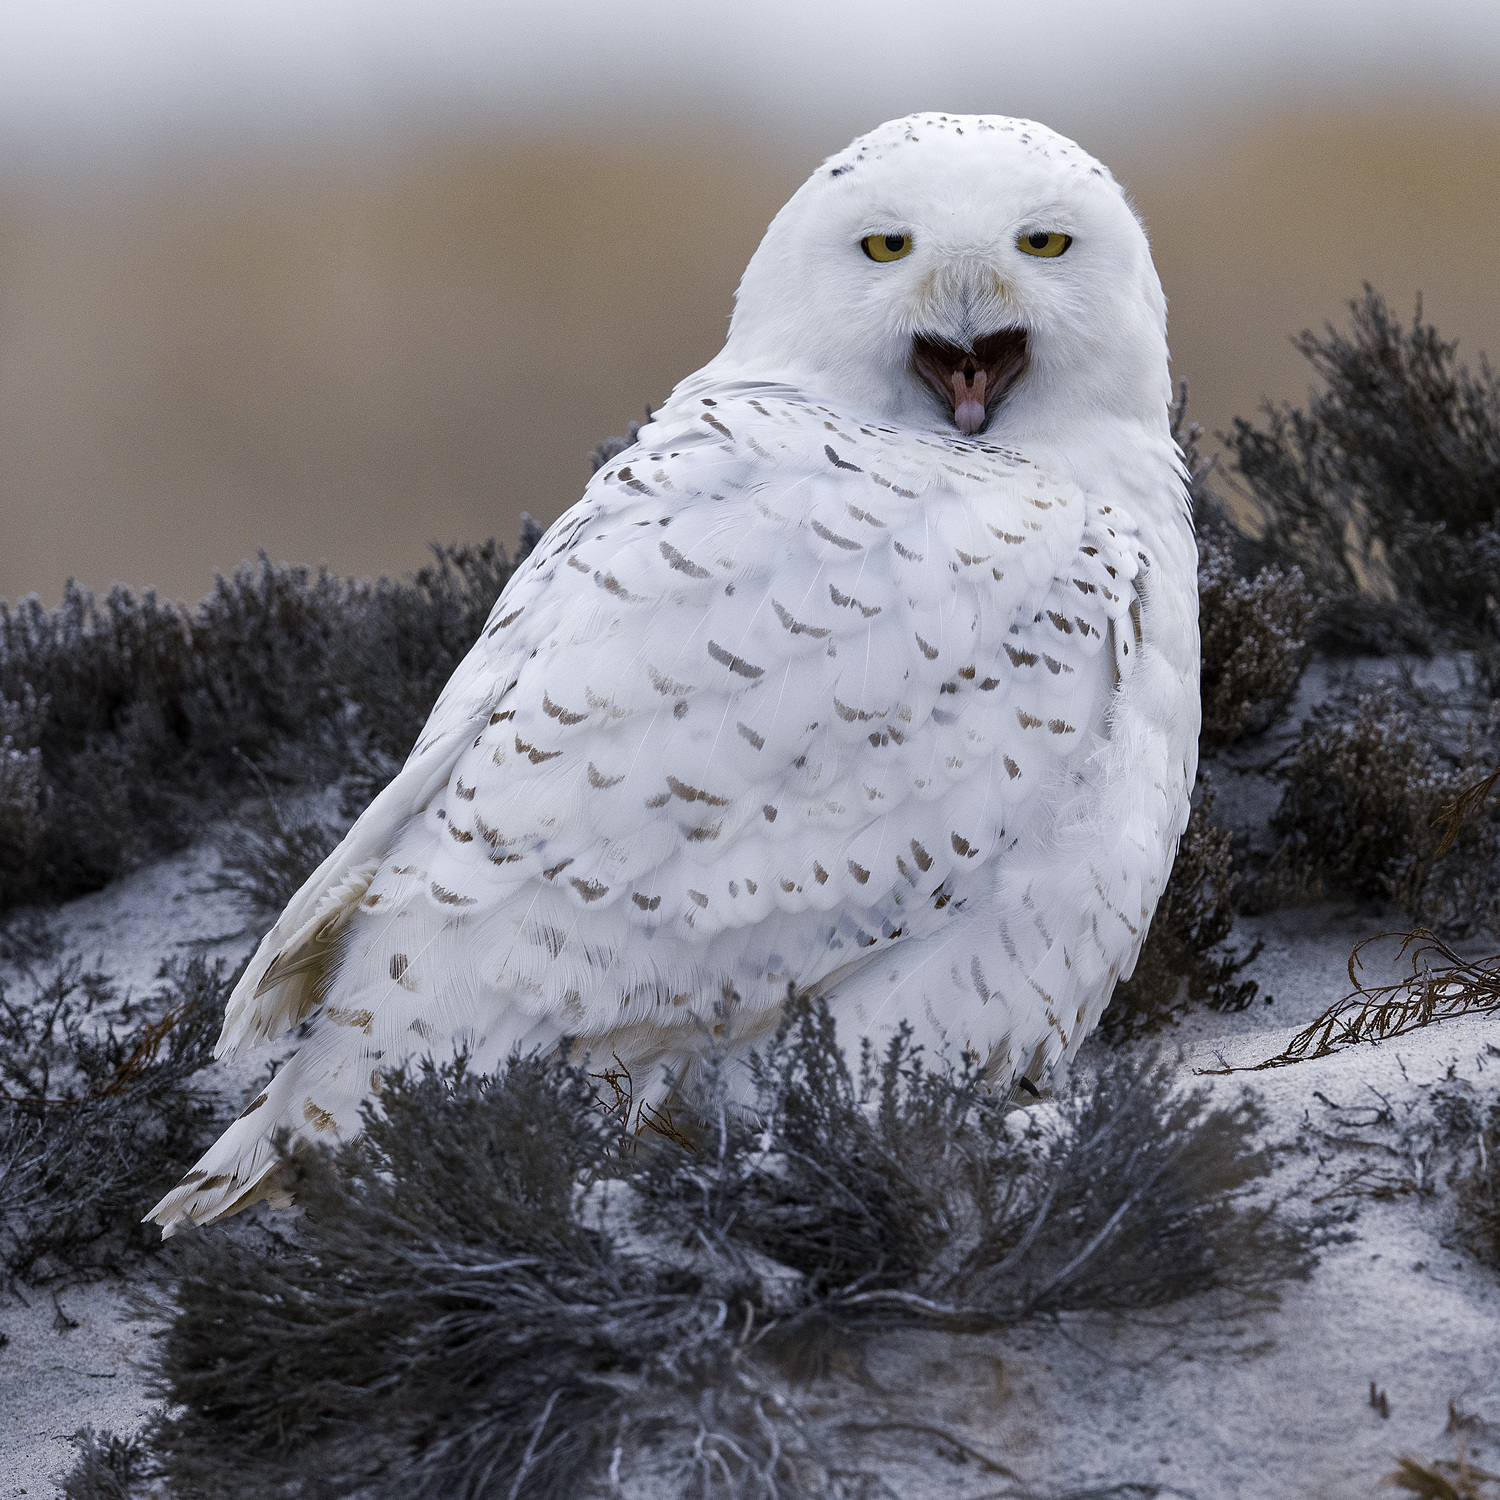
(1274, 1405)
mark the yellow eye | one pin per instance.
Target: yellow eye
(1048, 246)
(883, 247)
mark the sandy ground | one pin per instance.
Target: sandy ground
(1275, 1404)
(73, 1360)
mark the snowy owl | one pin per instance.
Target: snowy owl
(870, 669)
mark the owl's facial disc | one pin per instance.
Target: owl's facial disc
(971, 381)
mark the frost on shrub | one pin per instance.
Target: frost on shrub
(498, 1291)
(1254, 642)
(266, 856)
(1254, 633)
(136, 715)
(109, 1467)
(450, 1321)
(101, 1109)
(1390, 473)
(913, 1195)
(1470, 1127)
(1183, 960)
(1362, 811)
(22, 790)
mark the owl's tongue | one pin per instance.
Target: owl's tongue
(968, 399)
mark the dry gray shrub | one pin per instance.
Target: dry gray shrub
(150, 708)
(500, 1291)
(101, 1109)
(109, 1467)
(612, 447)
(453, 1323)
(1184, 961)
(266, 854)
(1393, 468)
(1364, 810)
(267, 863)
(1254, 632)
(23, 790)
(1255, 642)
(1471, 1127)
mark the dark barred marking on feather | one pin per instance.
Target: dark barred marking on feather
(853, 715)
(535, 756)
(895, 489)
(796, 626)
(848, 601)
(695, 794)
(847, 543)
(736, 664)
(554, 711)
(665, 685)
(683, 564)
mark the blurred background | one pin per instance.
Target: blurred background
(334, 278)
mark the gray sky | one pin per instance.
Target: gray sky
(84, 72)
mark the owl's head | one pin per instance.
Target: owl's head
(959, 271)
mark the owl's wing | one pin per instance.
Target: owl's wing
(761, 702)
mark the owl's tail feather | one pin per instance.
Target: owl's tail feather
(312, 1098)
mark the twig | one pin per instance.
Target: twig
(1459, 987)
(930, 1429)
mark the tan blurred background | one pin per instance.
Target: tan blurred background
(379, 322)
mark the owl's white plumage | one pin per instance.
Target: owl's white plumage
(809, 689)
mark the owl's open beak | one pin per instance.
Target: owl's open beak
(971, 381)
